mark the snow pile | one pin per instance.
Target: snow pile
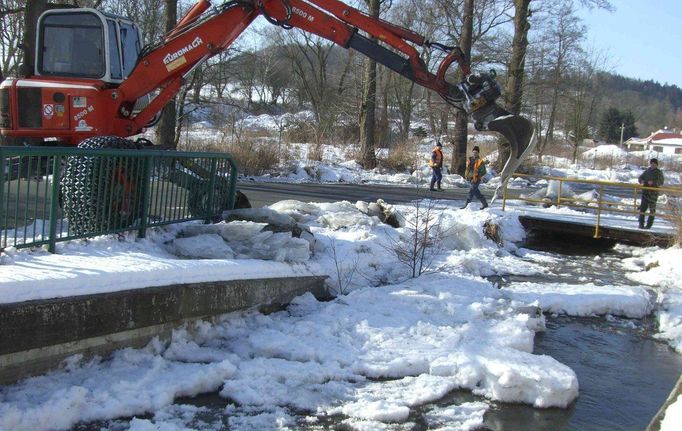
(131, 382)
(660, 269)
(613, 152)
(244, 240)
(389, 345)
(426, 337)
(274, 123)
(673, 416)
(583, 299)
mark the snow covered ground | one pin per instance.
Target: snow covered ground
(388, 344)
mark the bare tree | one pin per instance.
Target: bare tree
(11, 31)
(31, 15)
(403, 91)
(147, 14)
(405, 95)
(565, 35)
(582, 100)
(369, 101)
(487, 20)
(461, 117)
(309, 56)
(346, 267)
(165, 130)
(420, 240)
(517, 62)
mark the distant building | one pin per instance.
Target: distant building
(664, 141)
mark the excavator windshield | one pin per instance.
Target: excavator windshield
(72, 45)
(86, 43)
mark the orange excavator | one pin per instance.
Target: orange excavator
(94, 84)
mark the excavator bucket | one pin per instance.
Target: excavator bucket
(520, 135)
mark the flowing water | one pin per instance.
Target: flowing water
(624, 374)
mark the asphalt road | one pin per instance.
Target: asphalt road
(261, 194)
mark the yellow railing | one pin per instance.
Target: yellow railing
(604, 202)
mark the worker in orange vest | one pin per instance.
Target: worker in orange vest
(474, 173)
(436, 164)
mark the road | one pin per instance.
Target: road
(261, 194)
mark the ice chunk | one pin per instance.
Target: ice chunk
(205, 246)
(239, 230)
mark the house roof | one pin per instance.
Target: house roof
(663, 136)
(674, 142)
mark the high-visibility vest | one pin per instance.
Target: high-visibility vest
(436, 158)
(472, 172)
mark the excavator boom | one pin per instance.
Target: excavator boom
(107, 100)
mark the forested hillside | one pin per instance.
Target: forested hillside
(653, 105)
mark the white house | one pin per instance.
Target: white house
(664, 141)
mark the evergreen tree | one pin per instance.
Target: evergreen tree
(630, 128)
(611, 123)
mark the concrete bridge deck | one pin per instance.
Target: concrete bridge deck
(619, 229)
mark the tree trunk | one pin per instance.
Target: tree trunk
(369, 102)
(382, 129)
(33, 10)
(516, 71)
(197, 85)
(549, 135)
(514, 90)
(165, 131)
(459, 153)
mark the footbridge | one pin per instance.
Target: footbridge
(593, 209)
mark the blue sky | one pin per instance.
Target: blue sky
(642, 38)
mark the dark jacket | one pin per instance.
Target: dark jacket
(651, 177)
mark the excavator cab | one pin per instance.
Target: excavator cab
(86, 43)
(81, 54)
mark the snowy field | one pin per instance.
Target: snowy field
(386, 345)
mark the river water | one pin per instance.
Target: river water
(624, 374)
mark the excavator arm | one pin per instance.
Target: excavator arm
(206, 31)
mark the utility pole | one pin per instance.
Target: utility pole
(622, 129)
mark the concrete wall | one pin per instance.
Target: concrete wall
(35, 336)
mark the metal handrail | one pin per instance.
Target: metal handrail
(602, 204)
(116, 190)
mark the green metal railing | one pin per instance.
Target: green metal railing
(611, 198)
(49, 195)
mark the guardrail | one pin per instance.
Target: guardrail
(607, 198)
(49, 195)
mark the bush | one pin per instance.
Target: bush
(419, 132)
(401, 157)
(299, 131)
(253, 158)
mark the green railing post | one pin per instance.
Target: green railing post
(56, 183)
(210, 204)
(233, 183)
(146, 192)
